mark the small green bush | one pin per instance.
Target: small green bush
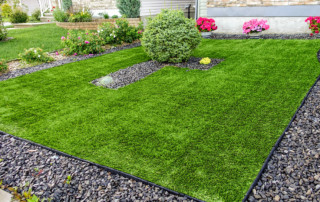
(120, 33)
(170, 37)
(79, 43)
(3, 66)
(130, 8)
(104, 15)
(19, 16)
(6, 10)
(59, 15)
(35, 55)
(83, 16)
(36, 14)
(114, 16)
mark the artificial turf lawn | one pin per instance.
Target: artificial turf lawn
(202, 133)
(47, 37)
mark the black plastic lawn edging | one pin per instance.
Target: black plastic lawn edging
(276, 145)
(108, 169)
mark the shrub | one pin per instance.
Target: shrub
(83, 16)
(66, 4)
(35, 55)
(104, 15)
(206, 24)
(3, 66)
(170, 37)
(36, 14)
(6, 10)
(19, 16)
(205, 61)
(314, 24)
(79, 43)
(59, 15)
(3, 31)
(130, 8)
(121, 33)
(114, 16)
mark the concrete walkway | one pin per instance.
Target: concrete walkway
(5, 196)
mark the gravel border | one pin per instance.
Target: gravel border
(262, 36)
(124, 77)
(43, 66)
(290, 172)
(90, 181)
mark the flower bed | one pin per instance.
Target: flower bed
(95, 24)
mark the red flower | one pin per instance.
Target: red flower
(53, 7)
(48, 20)
(311, 34)
(317, 32)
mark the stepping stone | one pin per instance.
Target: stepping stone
(5, 196)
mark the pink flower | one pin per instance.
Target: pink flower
(78, 37)
(75, 54)
(86, 42)
(57, 53)
(62, 38)
(317, 31)
(68, 33)
(86, 33)
(90, 54)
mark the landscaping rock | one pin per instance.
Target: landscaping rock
(46, 173)
(292, 174)
(139, 71)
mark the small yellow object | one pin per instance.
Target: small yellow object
(205, 61)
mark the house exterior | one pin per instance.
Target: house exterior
(283, 16)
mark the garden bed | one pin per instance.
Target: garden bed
(95, 24)
(263, 36)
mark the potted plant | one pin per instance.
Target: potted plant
(314, 25)
(254, 28)
(205, 26)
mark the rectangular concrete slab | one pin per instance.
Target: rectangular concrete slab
(5, 196)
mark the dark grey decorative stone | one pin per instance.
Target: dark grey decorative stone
(263, 36)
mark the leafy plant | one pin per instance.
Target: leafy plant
(314, 24)
(34, 199)
(3, 68)
(68, 180)
(19, 16)
(205, 61)
(130, 8)
(36, 14)
(35, 55)
(206, 24)
(104, 15)
(36, 169)
(83, 16)
(114, 16)
(3, 30)
(255, 26)
(66, 4)
(79, 43)
(6, 10)
(170, 37)
(59, 15)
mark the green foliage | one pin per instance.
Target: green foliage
(68, 180)
(66, 4)
(36, 14)
(3, 30)
(35, 55)
(19, 16)
(104, 15)
(130, 8)
(34, 199)
(115, 16)
(82, 16)
(120, 33)
(6, 10)
(170, 37)
(79, 43)
(59, 15)
(3, 68)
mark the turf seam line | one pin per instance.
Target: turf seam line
(114, 171)
(276, 145)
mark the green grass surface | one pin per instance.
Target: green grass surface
(202, 133)
(47, 35)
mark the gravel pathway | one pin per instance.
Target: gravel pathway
(30, 165)
(29, 70)
(139, 71)
(263, 36)
(293, 171)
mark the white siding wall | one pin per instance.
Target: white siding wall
(202, 8)
(155, 6)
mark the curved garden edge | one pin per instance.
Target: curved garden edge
(43, 66)
(277, 144)
(108, 169)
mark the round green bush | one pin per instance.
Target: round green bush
(170, 37)
(19, 16)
